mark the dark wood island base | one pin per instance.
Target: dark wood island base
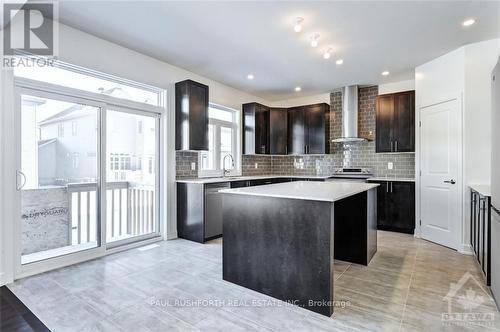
(286, 247)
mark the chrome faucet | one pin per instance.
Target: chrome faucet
(226, 171)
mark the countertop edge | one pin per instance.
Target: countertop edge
(263, 177)
(391, 179)
(289, 196)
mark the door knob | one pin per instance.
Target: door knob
(450, 181)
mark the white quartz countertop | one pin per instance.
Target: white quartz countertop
(483, 189)
(246, 178)
(306, 190)
(263, 177)
(392, 179)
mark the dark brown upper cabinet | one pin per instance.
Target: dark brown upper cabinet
(395, 122)
(318, 128)
(256, 120)
(191, 116)
(297, 139)
(309, 129)
(278, 131)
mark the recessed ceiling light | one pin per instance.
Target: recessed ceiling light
(250, 76)
(315, 40)
(385, 73)
(339, 61)
(469, 22)
(298, 24)
(298, 88)
(327, 54)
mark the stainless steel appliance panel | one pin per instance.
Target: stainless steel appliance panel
(213, 209)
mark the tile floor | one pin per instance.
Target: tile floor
(177, 286)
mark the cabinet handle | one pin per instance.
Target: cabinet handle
(392, 146)
(391, 188)
(387, 187)
(23, 176)
(396, 146)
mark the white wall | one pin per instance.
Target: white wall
(79, 48)
(7, 177)
(443, 76)
(307, 100)
(325, 97)
(466, 72)
(396, 87)
(480, 59)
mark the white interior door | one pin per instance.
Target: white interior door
(441, 180)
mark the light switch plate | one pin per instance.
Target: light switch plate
(390, 165)
(193, 166)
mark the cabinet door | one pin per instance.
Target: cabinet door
(296, 131)
(255, 129)
(315, 127)
(198, 116)
(238, 184)
(402, 206)
(404, 122)
(191, 116)
(278, 131)
(384, 123)
(262, 130)
(383, 221)
(248, 126)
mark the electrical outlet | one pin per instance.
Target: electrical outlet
(193, 166)
(256, 165)
(390, 165)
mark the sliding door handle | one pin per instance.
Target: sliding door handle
(23, 177)
(449, 181)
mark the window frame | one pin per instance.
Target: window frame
(161, 100)
(235, 124)
(24, 85)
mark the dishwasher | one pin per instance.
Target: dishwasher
(213, 209)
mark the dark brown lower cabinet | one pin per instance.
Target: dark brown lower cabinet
(396, 206)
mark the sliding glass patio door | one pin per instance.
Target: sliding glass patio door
(132, 151)
(87, 178)
(58, 175)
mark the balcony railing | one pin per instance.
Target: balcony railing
(130, 209)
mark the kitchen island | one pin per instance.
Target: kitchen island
(281, 239)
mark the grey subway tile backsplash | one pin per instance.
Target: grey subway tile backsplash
(183, 160)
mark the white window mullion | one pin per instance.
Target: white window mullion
(222, 117)
(217, 156)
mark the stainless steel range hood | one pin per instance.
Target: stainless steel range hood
(349, 115)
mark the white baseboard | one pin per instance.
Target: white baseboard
(5, 279)
(172, 236)
(466, 249)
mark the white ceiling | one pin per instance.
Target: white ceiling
(225, 41)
